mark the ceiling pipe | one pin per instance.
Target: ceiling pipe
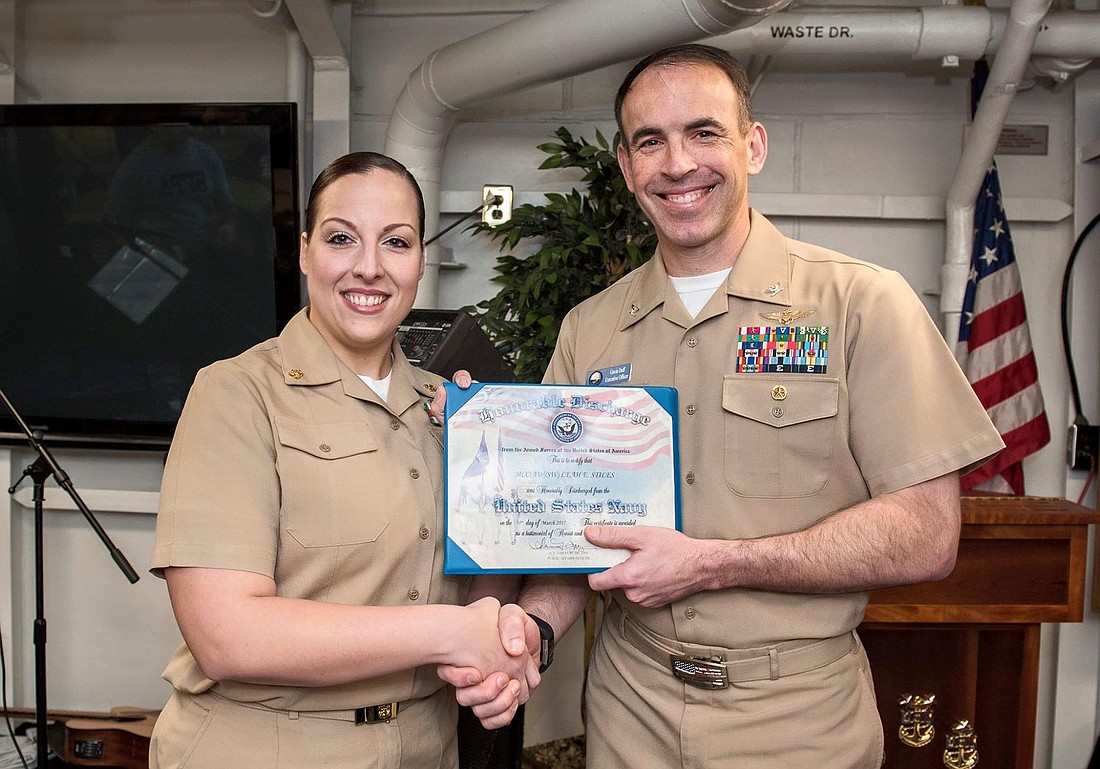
(562, 39)
(1005, 75)
(493, 63)
(1061, 70)
(969, 32)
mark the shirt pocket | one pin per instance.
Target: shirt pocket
(331, 479)
(779, 433)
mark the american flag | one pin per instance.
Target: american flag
(994, 346)
(480, 461)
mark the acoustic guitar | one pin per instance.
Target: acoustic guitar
(118, 739)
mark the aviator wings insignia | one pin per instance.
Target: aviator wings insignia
(787, 316)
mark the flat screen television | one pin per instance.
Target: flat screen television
(138, 243)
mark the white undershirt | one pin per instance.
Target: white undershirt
(380, 386)
(694, 291)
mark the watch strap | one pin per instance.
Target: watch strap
(546, 647)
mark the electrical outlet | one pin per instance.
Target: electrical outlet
(1082, 446)
(497, 213)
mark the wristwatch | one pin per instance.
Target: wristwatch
(546, 648)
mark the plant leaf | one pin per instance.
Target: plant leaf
(574, 246)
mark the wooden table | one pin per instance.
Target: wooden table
(972, 639)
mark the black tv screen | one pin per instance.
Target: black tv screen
(138, 243)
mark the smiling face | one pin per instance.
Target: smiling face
(362, 262)
(687, 161)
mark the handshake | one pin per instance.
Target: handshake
(497, 666)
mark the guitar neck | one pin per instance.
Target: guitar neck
(54, 715)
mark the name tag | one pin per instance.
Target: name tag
(609, 376)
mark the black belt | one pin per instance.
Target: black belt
(372, 714)
(713, 668)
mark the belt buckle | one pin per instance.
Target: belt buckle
(387, 711)
(701, 672)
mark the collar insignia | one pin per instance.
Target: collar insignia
(295, 373)
(787, 316)
(773, 289)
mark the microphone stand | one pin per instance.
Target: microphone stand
(40, 470)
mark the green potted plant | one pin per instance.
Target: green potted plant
(585, 242)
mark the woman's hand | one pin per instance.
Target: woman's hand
(494, 698)
(461, 378)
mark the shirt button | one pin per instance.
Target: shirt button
(414, 473)
(325, 448)
(424, 532)
(690, 477)
(414, 594)
(777, 412)
(394, 424)
(692, 341)
(689, 612)
(690, 410)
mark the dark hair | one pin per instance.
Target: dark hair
(688, 54)
(359, 163)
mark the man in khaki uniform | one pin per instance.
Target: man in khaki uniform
(823, 424)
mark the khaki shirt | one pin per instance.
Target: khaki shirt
(768, 452)
(286, 464)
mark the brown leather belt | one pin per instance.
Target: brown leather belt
(708, 667)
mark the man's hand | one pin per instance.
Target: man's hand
(494, 697)
(664, 564)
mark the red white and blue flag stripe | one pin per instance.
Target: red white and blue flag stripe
(995, 349)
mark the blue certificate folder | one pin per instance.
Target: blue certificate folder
(528, 466)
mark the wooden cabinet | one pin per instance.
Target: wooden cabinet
(972, 639)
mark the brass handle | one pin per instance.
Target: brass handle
(916, 728)
(962, 747)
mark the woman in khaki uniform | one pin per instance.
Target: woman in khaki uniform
(300, 522)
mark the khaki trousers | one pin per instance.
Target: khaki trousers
(640, 716)
(206, 731)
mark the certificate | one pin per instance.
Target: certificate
(527, 467)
